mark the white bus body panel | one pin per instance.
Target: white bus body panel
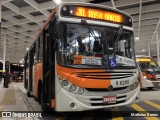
(145, 83)
(64, 98)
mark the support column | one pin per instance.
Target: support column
(0, 12)
(149, 50)
(113, 4)
(139, 24)
(157, 39)
(4, 51)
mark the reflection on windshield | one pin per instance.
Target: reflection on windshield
(79, 47)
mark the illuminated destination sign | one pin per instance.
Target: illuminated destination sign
(107, 15)
(143, 60)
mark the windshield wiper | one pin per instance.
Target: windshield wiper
(95, 37)
(90, 29)
(119, 34)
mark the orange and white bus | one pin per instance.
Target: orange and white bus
(149, 72)
(83, 59)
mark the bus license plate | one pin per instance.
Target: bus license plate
(109, 99)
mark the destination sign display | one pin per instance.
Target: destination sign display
(143, 59)
(95, 13)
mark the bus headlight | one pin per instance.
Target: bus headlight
(70, 87)
(131, 87)
(65, 83)
(134, 86)
(145, 77)
(80, 91)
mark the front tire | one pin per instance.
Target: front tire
(44, 106)
(29, 94)
(150, 88)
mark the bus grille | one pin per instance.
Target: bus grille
(104, 90)
(105, 75)
(104, 104)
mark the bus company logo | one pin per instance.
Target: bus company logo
(110, 88)
(6, 114)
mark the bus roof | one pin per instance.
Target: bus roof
(142, 56)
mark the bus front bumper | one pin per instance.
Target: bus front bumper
(67, 101)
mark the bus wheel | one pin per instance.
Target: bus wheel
(29, 94)
(150, 88)
(44, 106)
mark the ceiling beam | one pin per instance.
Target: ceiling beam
(147, 16)
(147, 27)
(154, 32)
(3, 1)
(36, 6)
(145, 9)
(121, 3)
(146, 22)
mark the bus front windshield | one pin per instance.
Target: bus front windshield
(149, 66)
(98, 47)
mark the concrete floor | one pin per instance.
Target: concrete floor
(14, 99)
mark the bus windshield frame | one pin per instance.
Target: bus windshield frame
(98, 54)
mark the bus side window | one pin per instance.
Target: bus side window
(36, 52)
(41, 49)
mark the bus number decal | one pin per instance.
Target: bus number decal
(122, 83)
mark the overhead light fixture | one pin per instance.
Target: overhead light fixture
(143, 50)
(27, 49)
(57, 1)
(136, 38)
(20, 61)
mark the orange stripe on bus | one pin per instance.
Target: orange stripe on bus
(37, 76)
(72, 76)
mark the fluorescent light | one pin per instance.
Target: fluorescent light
(136, 38)
(57, 1)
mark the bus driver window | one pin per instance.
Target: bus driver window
(82, 48)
